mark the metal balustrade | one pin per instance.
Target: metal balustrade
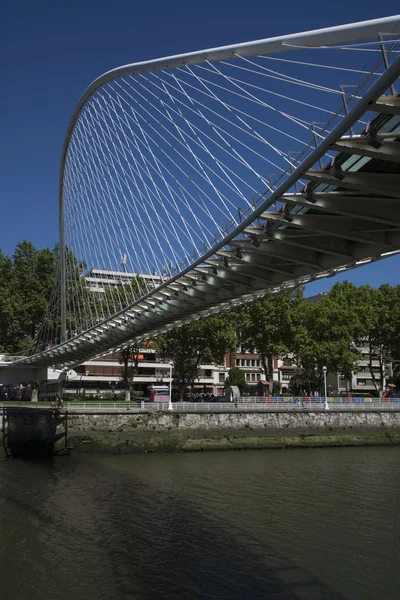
(242, 405)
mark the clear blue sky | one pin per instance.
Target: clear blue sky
(50, 52)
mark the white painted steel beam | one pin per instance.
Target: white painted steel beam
(368, 183)
(379, 209)
(389, 151)
(387, 104)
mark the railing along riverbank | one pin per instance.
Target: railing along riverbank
(246, 404)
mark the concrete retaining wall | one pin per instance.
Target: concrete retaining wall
(141, 432)
(30, 431)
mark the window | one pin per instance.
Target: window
(286, 376)
(243, 362)
(238, 362)
(361, 382)
(247, 376)
(287, 362)
(257, 363)
(253, 376)
(221, 377)
(258, 377)
(253, 363)
(207, 373)
(248, 362)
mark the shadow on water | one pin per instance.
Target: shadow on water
(206, 562)
(107, 534)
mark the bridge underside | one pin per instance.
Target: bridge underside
(342, 216)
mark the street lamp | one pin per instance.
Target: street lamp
(170, 386)
(112, 385)
(324, 369)
(80, 385)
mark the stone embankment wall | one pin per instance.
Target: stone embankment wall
(161, 431)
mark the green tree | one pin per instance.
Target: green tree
(330, 333)
(269, 326)
(33, 279)
(201, 342)
(26, 281)
(237, 377)
(9, 321)
(345, 319)
(379, 313)
(305, 381)
(396, 375)
(80, 301)
(276, 388)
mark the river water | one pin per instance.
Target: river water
(289, 524)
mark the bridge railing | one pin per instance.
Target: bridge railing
(7, 358)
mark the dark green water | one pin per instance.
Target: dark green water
(298, 524)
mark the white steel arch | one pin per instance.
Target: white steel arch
(237, 267)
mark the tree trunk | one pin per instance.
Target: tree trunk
(34, 395)
(127, 395)
(182, 387)
(264, 366)
(135, 370)
(270, 370)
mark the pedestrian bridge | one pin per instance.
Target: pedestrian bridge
(219, 176)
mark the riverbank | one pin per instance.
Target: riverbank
(182, 432)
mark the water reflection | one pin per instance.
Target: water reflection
(288, 525)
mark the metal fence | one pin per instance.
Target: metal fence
(247, 404)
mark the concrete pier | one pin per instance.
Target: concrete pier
(32, 432)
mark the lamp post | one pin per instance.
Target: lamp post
(170, 386)
(80, 385)
(324, 369)
(112, 385)
(86, 373)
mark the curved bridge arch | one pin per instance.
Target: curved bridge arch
(340, 219)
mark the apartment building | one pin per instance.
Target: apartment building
(250, 363)
(103, 375)
(361, 381)
(99, 280)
